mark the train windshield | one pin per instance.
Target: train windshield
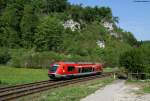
(54, 68)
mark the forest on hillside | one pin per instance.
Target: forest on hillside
(32, 34)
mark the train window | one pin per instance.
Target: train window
(79, 70)
(83, 70)
(90, 69)
(70, 68)
(54, 68)
(86, 69)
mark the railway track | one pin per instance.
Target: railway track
(4, 89)
(14, 92)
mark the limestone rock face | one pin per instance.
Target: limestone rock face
(101, 44)
(73, 25)
(108, 25)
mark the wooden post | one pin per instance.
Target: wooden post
(114, 75)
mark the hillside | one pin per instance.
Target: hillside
(35, 33)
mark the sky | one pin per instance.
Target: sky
(133, 17)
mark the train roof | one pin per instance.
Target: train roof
(78, 62)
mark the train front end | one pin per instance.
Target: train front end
(55, 71)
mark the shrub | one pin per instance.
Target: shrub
(4, 56)
(32, 59)
(133, 61)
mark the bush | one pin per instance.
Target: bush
(32, 59)
(137, 60)
(133, 61)
(4, 56)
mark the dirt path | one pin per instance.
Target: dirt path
(117, 91)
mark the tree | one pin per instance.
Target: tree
(145, 47)
(133, 61)
(55, 6)
(129, 38)
(28, 26)
(88, 14)
(9, 37)
(116, 19)
(9, 28)
(12, 15)
(49, 35)
(76, 12)
(4, 56)
(3, 4)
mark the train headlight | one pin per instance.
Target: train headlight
(63, 70)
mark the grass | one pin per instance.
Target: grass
(146, 89)
(109, 69)
(72, 92)
(13, 76)
(144, 85)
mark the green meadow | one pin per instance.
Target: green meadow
(13, 76)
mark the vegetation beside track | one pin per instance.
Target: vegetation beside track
(146, 89)
(13, 76)
(70, 93)
(143, 85)
(109, 69)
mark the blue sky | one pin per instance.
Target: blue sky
(133, 17)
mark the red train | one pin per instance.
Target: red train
(74, 69)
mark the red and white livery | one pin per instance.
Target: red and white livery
(74, 69)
